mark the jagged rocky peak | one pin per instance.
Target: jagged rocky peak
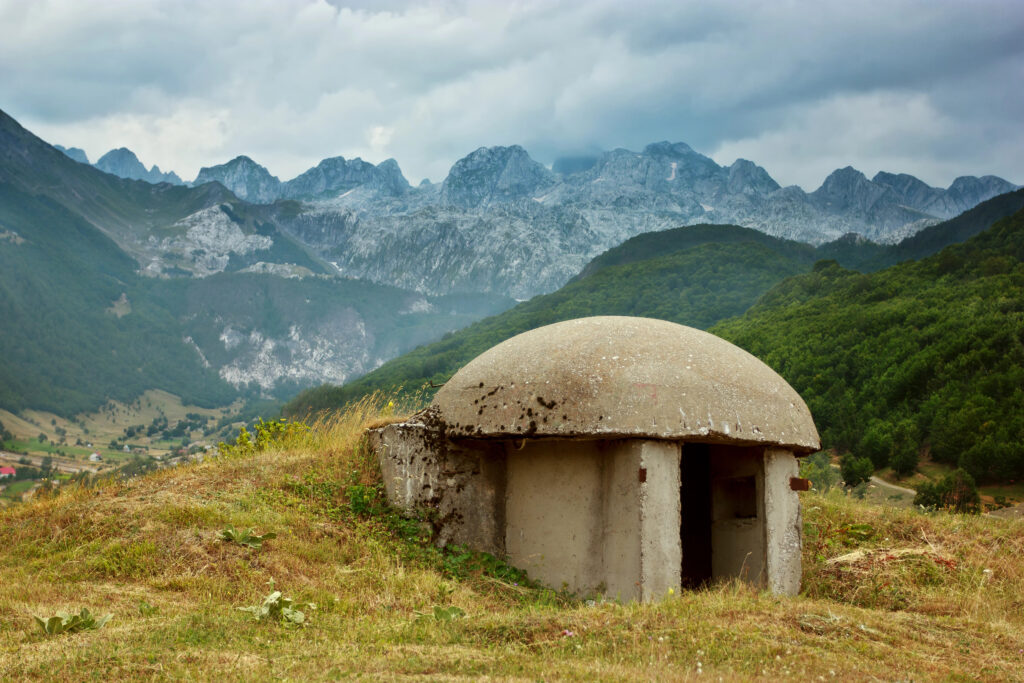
(904, 184)
(123, 163)
(493, 175)
(168, 177)
(669, 149)
(391, 177)
(243, 176)
(964, 193)
(75, 153)
(687, 163)
(663, 167)
(849, 189)
(968, 191)
(336, 176)
(747, 177)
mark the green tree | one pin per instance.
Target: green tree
(905, 451)
(877, 443)
(855, 470)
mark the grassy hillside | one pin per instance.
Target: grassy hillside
(695, 276)
(923, 356)
(920, 597)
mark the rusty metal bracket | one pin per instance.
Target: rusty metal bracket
(799, 484)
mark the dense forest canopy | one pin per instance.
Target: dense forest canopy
(923, 355)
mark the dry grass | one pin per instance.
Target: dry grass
(930, 614)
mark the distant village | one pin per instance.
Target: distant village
(61, 452)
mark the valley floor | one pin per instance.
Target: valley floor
(888, 593)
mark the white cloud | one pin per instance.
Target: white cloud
(799, 88)
(871, 132)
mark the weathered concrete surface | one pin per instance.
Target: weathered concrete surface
(624, 377)
(783, 523)
(554, 513)
(622, 520)
(660, 547)
(595, 516)
(463, 483)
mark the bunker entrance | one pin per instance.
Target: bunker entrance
(722, 530)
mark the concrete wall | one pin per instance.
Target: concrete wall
(463, 483)
(554, 513)
(595, 516)
(784, 525)
(660, 546)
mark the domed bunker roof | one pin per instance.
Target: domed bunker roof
(608, 377)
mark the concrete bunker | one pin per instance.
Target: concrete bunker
(614, 455)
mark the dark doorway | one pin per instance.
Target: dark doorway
(695, 509)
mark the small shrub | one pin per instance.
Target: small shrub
(276, 607)
(71, 623)
(956, 491)
(247, 538)
(818, 468)
(265, 435)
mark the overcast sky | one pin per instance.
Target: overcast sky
(928, 87)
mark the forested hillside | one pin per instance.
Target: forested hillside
(77, 328)
(923, 355)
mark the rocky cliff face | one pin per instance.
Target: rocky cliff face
(123, 163)
(501, 222)
(245, 178)
(494, 175)
(330, 179)
(336, 176)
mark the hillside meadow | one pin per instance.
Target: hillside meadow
(888, 593)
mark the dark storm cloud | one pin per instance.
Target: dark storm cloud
(931, 88)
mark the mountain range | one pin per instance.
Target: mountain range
(110, 286)
(244, 284)
(696, 275)
(502, 222)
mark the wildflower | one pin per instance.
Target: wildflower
(566, 633)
